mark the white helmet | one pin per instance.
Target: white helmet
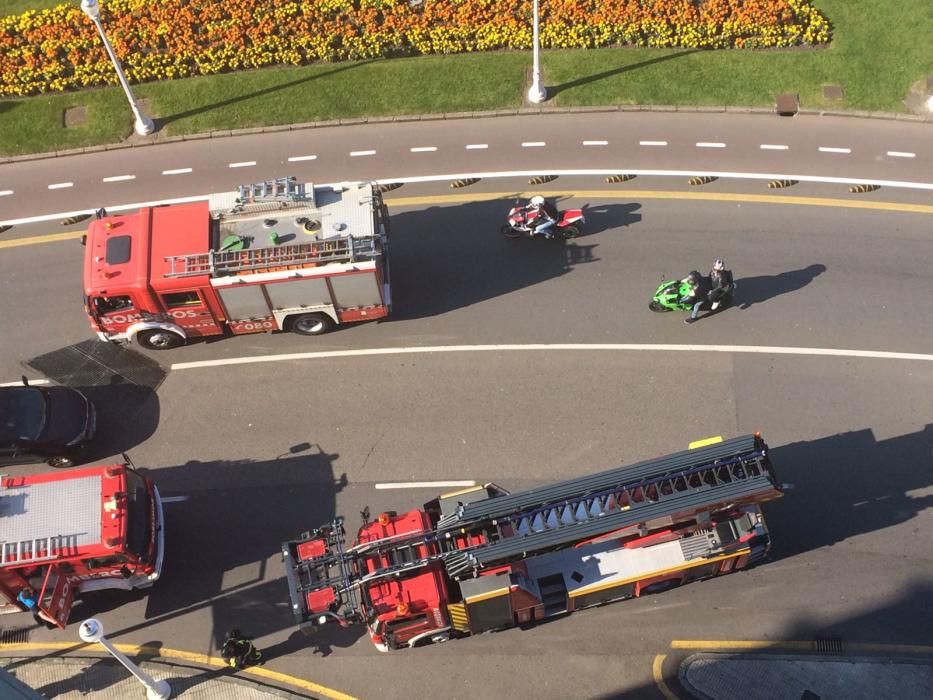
(537, 201)
(720, 264)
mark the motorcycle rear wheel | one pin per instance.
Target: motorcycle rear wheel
(655, 306)
(510, 232)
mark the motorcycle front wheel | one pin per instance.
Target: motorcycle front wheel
(510, 232)
(655, 306)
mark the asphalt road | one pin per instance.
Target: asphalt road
(806, 146)
(257, 453)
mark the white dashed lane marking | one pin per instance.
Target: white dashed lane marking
(297, 159)
(176, 171)
(595, 143)
(423, 149)
(61, 185)
(244, 164)
(356, 154)
(828, 149)
(533, 144)
(476, 146)
(652, 143)
(119, 178)
(5, 193)
(710, 144)
(773, 147)
(902, 154)
(423, 485)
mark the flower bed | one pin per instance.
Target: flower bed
(58, 49)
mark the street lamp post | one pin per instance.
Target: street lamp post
(91, 630)
(143, 124)
(536, 93)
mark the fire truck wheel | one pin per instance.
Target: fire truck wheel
(60, 462)
(310, 324)
(158, 339)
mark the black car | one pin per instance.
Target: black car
(44, 424)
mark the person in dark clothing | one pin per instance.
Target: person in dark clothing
(721, 282)
(238, 651)
(699, 290)
(542, 215)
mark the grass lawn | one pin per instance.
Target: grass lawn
(880, 48)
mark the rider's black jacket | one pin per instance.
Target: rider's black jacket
(720, 279)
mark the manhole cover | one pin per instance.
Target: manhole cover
(95, 363)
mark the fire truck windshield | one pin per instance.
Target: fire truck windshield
(137, 517)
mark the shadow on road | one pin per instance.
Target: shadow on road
(603, 217)
(445, 258)
(754, 290)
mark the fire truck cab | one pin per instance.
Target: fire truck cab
(276, 255)
(68, 533)
(484, 559)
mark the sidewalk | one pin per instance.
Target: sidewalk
(105, 679)
(723, 676)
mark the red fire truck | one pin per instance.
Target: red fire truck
(276, 255)
(68, 533)
(485, 559)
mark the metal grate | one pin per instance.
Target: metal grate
(18, 635)
(95, 363)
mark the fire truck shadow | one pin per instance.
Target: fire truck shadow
(847, 485)
(446, 258)
(222, 540)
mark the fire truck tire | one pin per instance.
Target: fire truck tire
(310, 324)
(60, 462)
(158, 339)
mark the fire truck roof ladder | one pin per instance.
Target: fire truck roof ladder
(31, 550)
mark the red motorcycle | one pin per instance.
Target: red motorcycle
(567, 226)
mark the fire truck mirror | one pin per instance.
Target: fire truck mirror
(125, 571)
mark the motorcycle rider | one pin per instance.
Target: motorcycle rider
(722, 283)
(699, 290)
(542, 215)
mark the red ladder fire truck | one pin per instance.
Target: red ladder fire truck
(68, 533)
(485, 559)
(276, 255)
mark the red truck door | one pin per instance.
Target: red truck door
(189, 309)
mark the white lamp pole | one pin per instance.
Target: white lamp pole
(91, 630)
(143, 123)
(536, 93)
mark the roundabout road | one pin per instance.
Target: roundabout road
(251, 454)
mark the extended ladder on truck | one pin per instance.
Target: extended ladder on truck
(513, 526)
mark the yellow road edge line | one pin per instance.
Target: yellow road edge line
(45, 238)
(797, 646)
(178, 654)
(659, 677)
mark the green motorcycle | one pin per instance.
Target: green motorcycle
(669, 293)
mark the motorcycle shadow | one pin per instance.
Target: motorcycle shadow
(603, 217)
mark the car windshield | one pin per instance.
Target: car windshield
(22, 414)
(137, 521)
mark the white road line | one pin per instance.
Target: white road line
(118, 178)
(476, 146)
(828, 149)
(61, 185)
(423, 149)
(298, 159)
(533, 144)
(32, 382)
(244, 164)
(902, 154)
(562, 347)
(174, 499)
(773, 147)
(422, 485)
(5, 193)
(354, 154)
(176, 171)
(447, 177)
(710, 144)
(595, 143)
(652, 143)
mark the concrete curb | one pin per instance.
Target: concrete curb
(137, 142)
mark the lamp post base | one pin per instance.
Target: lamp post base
(160, 691)
(536, 93)
(144, 125)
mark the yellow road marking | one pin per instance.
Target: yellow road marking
(659, 677)
(797, 646)
(605, 194)
(178, 654)
(45, 238)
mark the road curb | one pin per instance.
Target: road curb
(136, 142)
